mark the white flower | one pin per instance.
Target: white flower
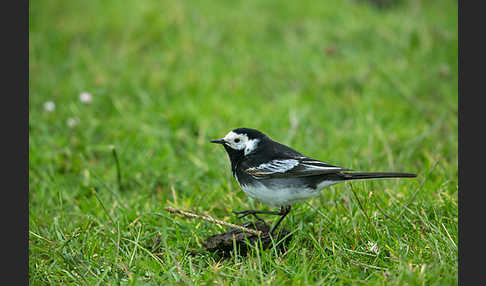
(49, 106)
(71, 122)
(373, 247)
(85, 97)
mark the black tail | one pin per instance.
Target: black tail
(376, 175)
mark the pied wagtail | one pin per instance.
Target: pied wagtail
(277, 175)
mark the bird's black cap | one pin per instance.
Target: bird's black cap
(251, 133)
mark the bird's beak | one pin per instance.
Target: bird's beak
(219, 141)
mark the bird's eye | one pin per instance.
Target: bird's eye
(237, 140)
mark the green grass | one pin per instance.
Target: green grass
(341, 81)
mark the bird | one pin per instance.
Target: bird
(279, 176)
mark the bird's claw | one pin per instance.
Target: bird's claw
(242, 214)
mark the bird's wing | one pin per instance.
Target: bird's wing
(292, 168)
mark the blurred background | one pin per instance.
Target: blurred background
(369, 85)
(166, 76)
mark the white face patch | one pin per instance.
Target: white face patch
(251, 145)
(240, 141)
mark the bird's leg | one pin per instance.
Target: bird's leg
(284, 211)
(242, 214)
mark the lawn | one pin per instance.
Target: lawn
(356, 85)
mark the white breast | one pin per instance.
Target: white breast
(282, 196)
(278, 197)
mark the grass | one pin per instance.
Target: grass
(368, 88)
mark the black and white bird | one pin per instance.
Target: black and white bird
(277, 175)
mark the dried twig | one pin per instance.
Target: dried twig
(213, 220)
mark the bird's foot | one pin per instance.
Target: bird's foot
(242, 214)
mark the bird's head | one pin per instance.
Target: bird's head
(241, 142)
